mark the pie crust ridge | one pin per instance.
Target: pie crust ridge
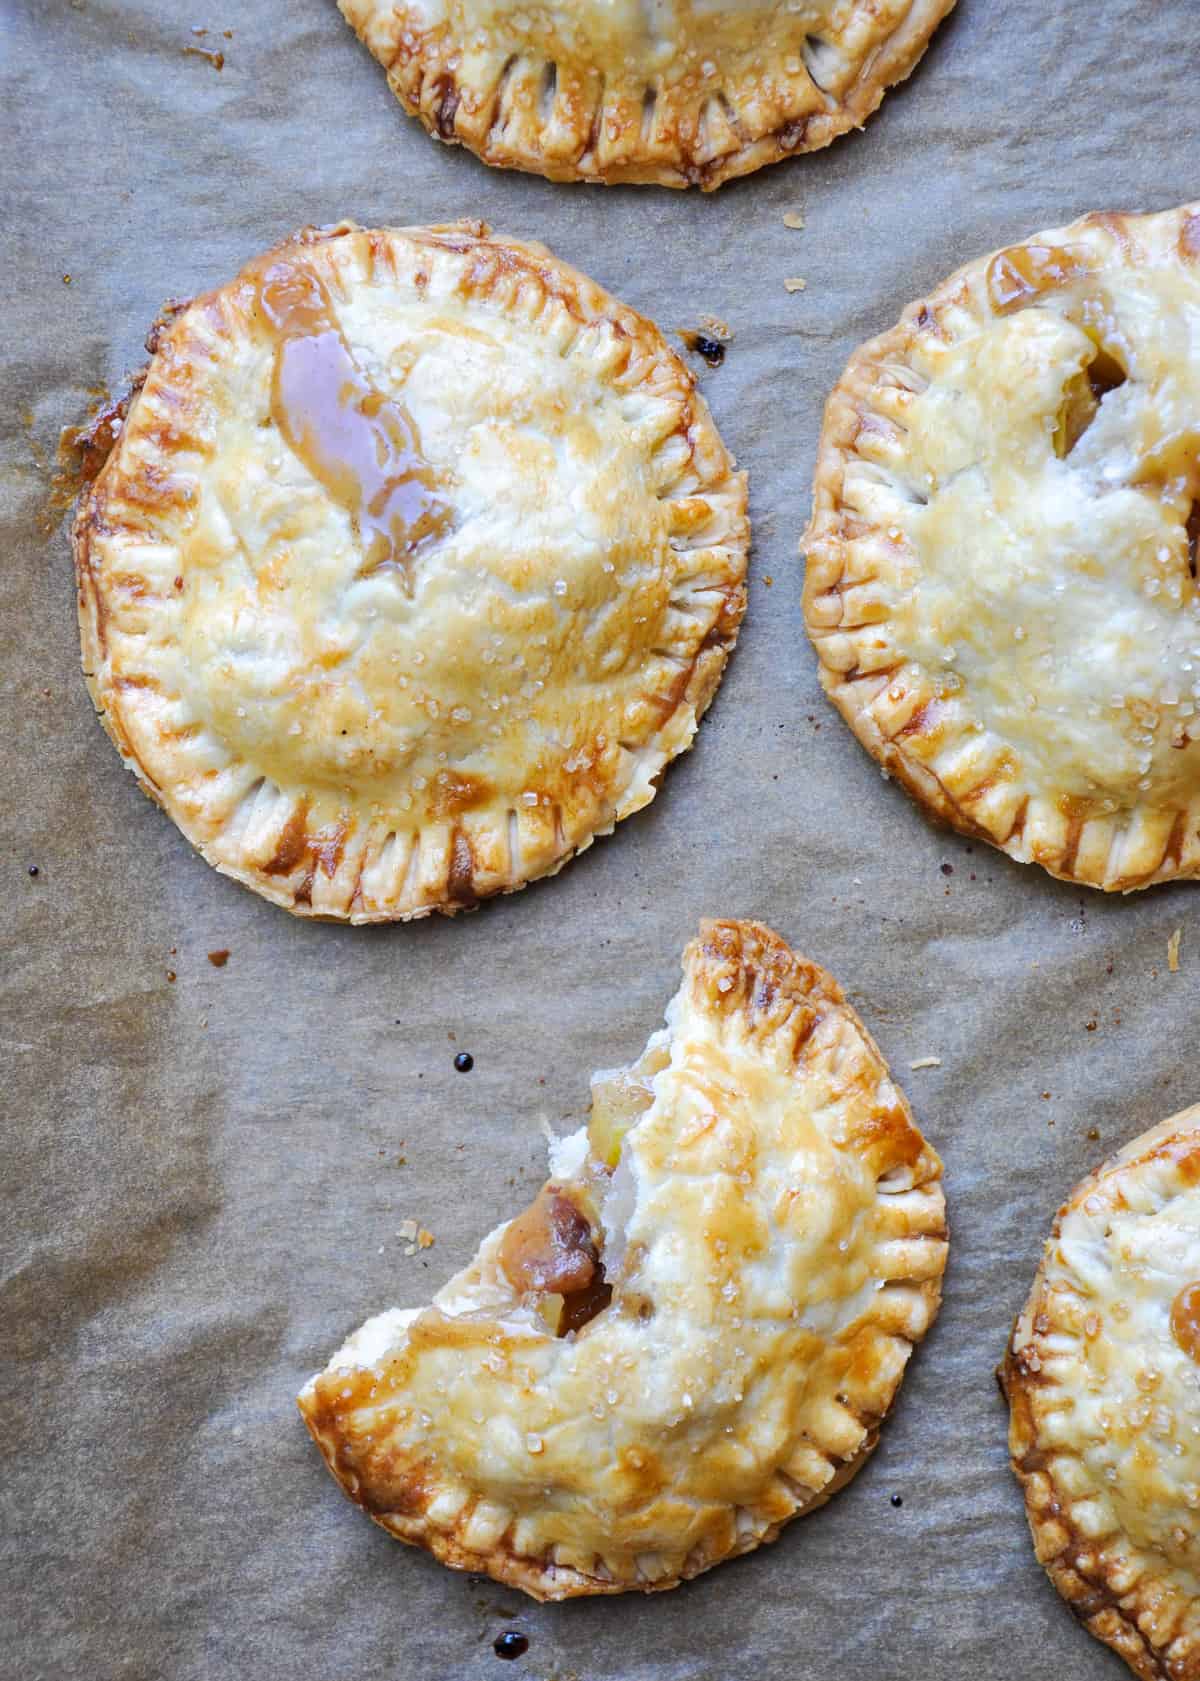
(346, 854)
(866, 567)
(1092, 1435)
(475, 78)
(565, 1466)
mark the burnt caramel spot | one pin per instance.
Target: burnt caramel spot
(82, 453)
(452, 792)
(362, 446)
(1024, 273)
(549, 1247)
(325, 848)
(1193, 536)
(447, 108)
(580, 1307)
(1185, 1321)
(712, 350)
(460, 883)
(292, 846)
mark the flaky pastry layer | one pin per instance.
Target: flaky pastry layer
(1103, 1379)
(417, 559)
(773, 1237)
(680, 93)
(1001, 560)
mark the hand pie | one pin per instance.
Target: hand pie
(682, 92)
(695, 1331)
(1103, 1377)
(416, 561)
(1001, 562)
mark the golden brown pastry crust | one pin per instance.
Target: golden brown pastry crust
(681, 94)
(1001, 556)
(368, 730)
(1103, 1431)
(774, 1238)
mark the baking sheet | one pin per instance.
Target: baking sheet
(204, 1176)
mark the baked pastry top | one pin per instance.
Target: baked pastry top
(1001, 561)
(694, 1332)
(679, 92)
(1103, 1376)
(416, 561)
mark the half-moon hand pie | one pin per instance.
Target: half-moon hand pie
(1001, 576)
(693, 1334)
(679, 92)
(417, 559)
(1103, 1377)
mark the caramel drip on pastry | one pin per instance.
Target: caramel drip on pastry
(1021, 274)
(362, 446)
(1185, 1321)
(549, 1247)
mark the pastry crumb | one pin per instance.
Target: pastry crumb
(717, 328)
(795, 284)
(793, 219)
(1173, 951)
(926, 1062)
(414, 1237)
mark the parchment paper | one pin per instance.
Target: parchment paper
(203, 1177)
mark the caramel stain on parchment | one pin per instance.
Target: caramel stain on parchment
(361, 445)
(82, 452)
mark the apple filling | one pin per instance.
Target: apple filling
(552, 1252)
(620, 1097)
(549, 1252)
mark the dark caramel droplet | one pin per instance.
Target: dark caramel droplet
(464, 1062)
(362, 446)
(510, 1644)
(1185, 1320)
(218, 959)
(712, 350)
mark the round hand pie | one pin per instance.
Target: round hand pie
(695, 1331)
(680, 92)
(1001, 562)
(416, 561)
(1103, 1376)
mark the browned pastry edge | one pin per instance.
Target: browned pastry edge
(467, 880)
(432, 93)
(780, 992)
(1068, 1557)
(850, 412)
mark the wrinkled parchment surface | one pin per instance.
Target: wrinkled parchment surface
(202, 1183)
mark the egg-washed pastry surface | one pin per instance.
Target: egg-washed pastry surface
(678, 92)
(695, 1331)
(1001, 562)
(417, 559)
(1103, 1377)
